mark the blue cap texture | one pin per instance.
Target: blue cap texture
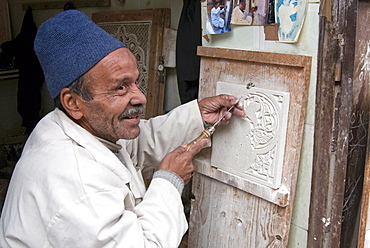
(68, 45)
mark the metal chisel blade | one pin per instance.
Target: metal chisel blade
(228, 111)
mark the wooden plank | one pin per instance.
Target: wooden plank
(340, 129)
(325, 175)
(227, 211)
(223, 216)
(60, 4)
(358, 71)
(254, 56)
(364, 232)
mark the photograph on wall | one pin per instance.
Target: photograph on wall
(290, 14)
(253, 12)
(218, 16)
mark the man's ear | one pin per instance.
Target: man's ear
(72, 103)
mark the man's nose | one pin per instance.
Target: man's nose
(138, 97)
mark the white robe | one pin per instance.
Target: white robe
(69, 190)
(239, 17)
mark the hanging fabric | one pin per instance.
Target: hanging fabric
(189, 37)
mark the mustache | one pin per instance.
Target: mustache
(134, 110)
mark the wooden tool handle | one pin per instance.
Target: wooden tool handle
(204, 135)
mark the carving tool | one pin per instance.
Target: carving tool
(207, 133)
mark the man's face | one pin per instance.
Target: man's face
(112, 113)
(242, 5)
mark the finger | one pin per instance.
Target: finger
(212, 108)
(188, 178)
(179, 150)
(224, 122)
(238, 111)
(238, 103)
(227, 116)
(186, 181)
(197, 147)
(228, 97)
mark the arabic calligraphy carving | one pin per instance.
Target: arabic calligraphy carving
(255, 144)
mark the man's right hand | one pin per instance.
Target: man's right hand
(180, 160)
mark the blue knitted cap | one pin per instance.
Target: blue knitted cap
(68, 45)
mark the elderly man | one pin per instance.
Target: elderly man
(240, 16)
(217, 16)
(79, 181)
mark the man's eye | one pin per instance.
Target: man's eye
(122, 87)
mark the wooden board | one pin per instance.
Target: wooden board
(359, 159)
(341, 125)
(142, 30)
(364, 225)
(228, 211)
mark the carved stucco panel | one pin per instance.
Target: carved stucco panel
(255, 143)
